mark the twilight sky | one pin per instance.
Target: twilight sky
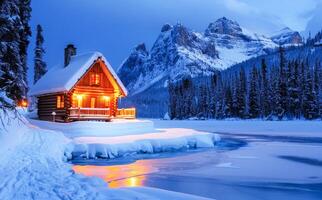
(115, 27)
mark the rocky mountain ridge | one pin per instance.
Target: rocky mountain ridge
(179, 52)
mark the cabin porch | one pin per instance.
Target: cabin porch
(96, 104)
(78, 114)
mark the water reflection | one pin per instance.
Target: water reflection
(130, 175)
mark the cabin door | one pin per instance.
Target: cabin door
(93, 102)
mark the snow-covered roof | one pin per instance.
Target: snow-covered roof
(63, 79)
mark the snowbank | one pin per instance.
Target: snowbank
(295, 128)
(32, 167)
(99, 129)
(91, 140)
(163, 141)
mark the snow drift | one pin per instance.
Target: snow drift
(166, 140)
(120, 138)
(32, 167)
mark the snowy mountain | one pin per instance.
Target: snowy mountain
(287, 36)
(179, 52)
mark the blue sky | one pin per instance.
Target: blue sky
(115, 27)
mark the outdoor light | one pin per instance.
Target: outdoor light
(79, 96)
(107, 98)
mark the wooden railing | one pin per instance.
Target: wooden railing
(89, 113)
(101, 113)
(126, 113)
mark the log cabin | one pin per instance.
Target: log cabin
(84, 88)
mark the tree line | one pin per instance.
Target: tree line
(291, 90)
(15, 33)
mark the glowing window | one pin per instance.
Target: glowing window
(95, 79)
(93, 102)
(60, 101)
(107, 101)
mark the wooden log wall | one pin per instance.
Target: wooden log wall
(48, 104)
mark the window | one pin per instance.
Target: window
(95, 79)
(93, 101)
(60, 101)
(107, 101)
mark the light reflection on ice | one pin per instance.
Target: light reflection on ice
(131, 175)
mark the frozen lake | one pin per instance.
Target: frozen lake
(254, 165)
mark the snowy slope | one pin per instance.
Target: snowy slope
(91, 140)
(32, 167)
(179, 52)
(286, 36)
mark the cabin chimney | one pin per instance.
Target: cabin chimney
(70, 51)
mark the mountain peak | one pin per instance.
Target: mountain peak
(224, 26)
(166, 27)
(141, 47)
(287, 36)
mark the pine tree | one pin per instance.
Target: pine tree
(282, 86)
(187, 96)
(172, 100)
(302, 79)
(317, 89)
(265, 104)
(220, 102)
(234, 85)
(241, 94)
(40, 66)
(273, 91)
(213, 93)
(309, 101)
(253, 103)
(294, 90)
(24, 34)
(228, 103)
(12, 58)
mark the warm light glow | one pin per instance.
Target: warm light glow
(131, 175)
(78, 100)
(79, 96)
(107, 98)
(23, 104)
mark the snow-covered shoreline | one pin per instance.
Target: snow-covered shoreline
(33, 166)
(92, 140)
(167, 140)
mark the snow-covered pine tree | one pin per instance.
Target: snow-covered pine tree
(282, 86)
(234, 86)
(294, 90)
(273, 91)
(213, 93)
(220, 101)
(11, 63)
(187, 96)
(202, 101)
(253, 103)
(24, 33)
(228, 102)
(241, 93)
(309, 101)
(317, 88)
(179, 101)
(265, 104)
(302, 85)
(40, 67)
(172, 100)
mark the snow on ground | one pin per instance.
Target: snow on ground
(98, 129)
(125, 137)
(166, 140)
(294, 128)
(273, 160)
(32, 167)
